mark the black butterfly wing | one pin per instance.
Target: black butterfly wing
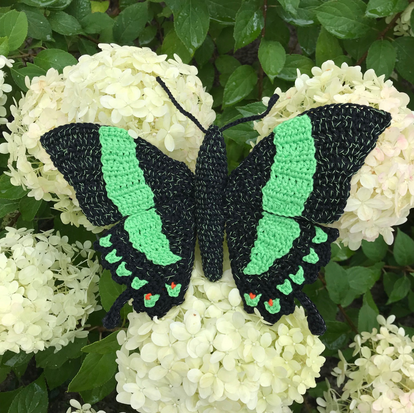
(149, 195)
(295, 178)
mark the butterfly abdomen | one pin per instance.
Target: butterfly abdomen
(210, 183)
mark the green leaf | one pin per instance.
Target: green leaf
(107, 345)
(336, 282)
(204, 52)
(320, 297)
(6, 399)
(226, 65)
(99, 6)
(272, 57)
(207, 75)
(403, 248)
(57, 377)
(356, 48)
(401, 288)
(130, 23)
(345, 19)
(249, 23)
(49, 359)
(8, 190)
(55, 58)
(32, 399)
(7, 206)
(98, 393)
(327, 47)
(305, 14)
(64, 24)
(381, 57)
(14, 25)
(191, 24)
(224, 11)
(367, 317)
(4, 372)
(173, 45)
(30, 70)
(147, 35)
(376, 250)
(39, 27)
(293, 63)
(241, 82)
(336, 335)
(28, 207)
(290, 6)
(276, 28)
(360, 279)
(384, 8)
(96, 22)
(405, 57)
(308, 37)
(389, 281)
(95, 371)
(340, 252)
(11, 359)
(4, 46)
(79, 9)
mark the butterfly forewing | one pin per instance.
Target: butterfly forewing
(295, 178)
(117, 178)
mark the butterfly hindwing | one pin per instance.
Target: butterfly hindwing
(151, 248)
(296, 177)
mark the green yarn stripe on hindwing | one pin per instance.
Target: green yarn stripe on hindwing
(126, 187)
(275, 237)
(291, 177)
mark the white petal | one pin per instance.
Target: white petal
(159, 339)
(149, 353)
(157, 373)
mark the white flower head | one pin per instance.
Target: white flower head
(79, 408)
(209, 355)
(382, 192)
(45, 298)
(115, 87)
(4, 87)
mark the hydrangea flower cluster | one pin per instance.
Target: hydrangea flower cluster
(403, 24)
(47, 290)
(79, 408)
(116, 87)
(208, 355)
(4, 88)
(382, 192)
(381, 380)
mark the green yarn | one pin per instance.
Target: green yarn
(312, 257)
(145, 234)
(252, 301)
(112, 257)
(275, 236)
(124, 179)
(298, 278)
(151, 300)
(105, 241)
(320, 237)
(291, 176)
(274, 308)
(122, 271)
(137, 283)
(173, 291)
(285, 288)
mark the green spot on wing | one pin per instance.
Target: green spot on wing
(275, 236)
(298, 278)
(105, 241)
(112, 257)
(285, 288)
(137, 283)
(275, 308)
(152, 300)
(252, 302)
(291, 176)
(312, 257)
(173, 292)
(320, 237)
(122, 271)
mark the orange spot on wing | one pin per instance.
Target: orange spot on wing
(148, 296)
(270, 302)
(173, 285)
(252, 295)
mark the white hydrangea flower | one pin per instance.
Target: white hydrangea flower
(4, 87)
(209, 355)
(381, 379)
(382, 192)
(402, 26)
(116, 87)
(79, 408)
(45, 298)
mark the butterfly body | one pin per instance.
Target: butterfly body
(273, 207)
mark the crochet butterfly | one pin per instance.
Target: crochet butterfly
(271, 206)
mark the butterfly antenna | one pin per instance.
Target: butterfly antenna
(113, 317)
(270, 105)
(178, 106)
(315, 321)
